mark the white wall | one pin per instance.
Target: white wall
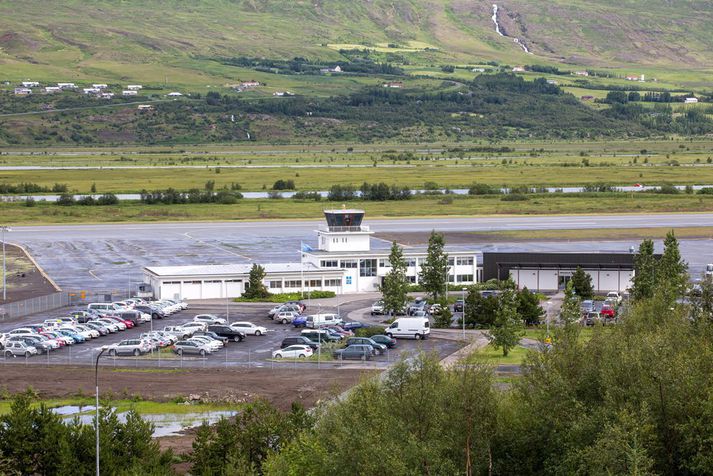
(353, 241)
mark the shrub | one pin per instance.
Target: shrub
(482, 189)
(514, 197)
(66, 199)
(369, 331)
(284, 185)
(30, 202)
(307, 196)
(108, 199)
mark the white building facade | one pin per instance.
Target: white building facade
(343, 263)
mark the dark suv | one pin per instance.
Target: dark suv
(299, 340)
(155, 312)
(227, 331)
(378, 348)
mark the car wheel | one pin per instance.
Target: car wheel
(237, 339)
(137, 352)
(302, 356)
(179, 351)
(278, 356)
(284, 321)
(8, 354)
(418, 336)
(27, 353)
(202, 353)
(112, 353)
(258, 333)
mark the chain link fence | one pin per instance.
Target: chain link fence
(50, 302)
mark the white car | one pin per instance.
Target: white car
(377, 308)
(21, 331)
(293, 352)
(92, 332)
(614, 296)
(283, 317)
(248, 328)
(212, 344)
(112, 324)
(86, 334)
(195, 326)
(209, 319)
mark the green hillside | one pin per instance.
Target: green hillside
(179, 41)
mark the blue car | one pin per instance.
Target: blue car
(78, 338)
(350, 326)
(300, 321)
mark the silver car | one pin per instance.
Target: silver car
(13, 349)
(191, 347)
(133, 347)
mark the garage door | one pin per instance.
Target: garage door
(191, 290)
(169, 290)
(212, 289)
(234, 287)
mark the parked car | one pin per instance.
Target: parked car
(378, 348)
(209, 319)
(285, 307)
(377, 308)
(190, 347)
(458, 306)
(283, 317)
(227, 332)
(418, 305)
(109, 324)
(78, 338)
(248, 328)
(354, 352)
(614, 296)
(195, 326)
(318, 320)
(213, 335)
(607, 312)
(340, 330)
(212, 344)
(591, 318)
(416, 327)
(351, 325)
(299, 340)
(299, 321)
(99, 327)
(154, 311)
(43, 347)
(320, 335)
(293, 352)
(133, 347)
(587, 306)
(435, 309)
(179, 331)
(384, 340)
(20, 331)
(82, 316)
(17, 348)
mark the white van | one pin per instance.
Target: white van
(318, 320)
(411, 327)
(103, 306)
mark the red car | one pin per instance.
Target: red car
(607, 312)
(129, 324)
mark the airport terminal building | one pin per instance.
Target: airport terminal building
(343, 262)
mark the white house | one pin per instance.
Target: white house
(23, 91)
(581, 73)
(52, 89)
(394, 84)
(67, 85)
(30, 84)
(343, 262)
(134, 87)
(130, 92)
(100, 86)
(91, 90)
(174, 94)
(106, 95)
(691, 101)
(518, 69)
(145, 107)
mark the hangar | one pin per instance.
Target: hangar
(548, 272)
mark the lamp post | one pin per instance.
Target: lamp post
(547, 318)
(464, 290)
(4, 268)
(96, 387)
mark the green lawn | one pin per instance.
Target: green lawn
(493, 356)
(122, 405)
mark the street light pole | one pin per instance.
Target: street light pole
(96, 387)
(464, 289)
(4, 268)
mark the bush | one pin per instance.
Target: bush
(274, 194)
(108, 199)
(66, 199)
(284, 185)
(482, 189)
(369, 331)
(284, 297)
(30, 202)
(667, 189)
(307, 196)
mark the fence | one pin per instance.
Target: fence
(26, 307)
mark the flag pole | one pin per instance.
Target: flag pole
(302, 270)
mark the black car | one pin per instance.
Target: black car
(355, 352)
(458, 306)
(226, 331)
(378, 348)
(351, 325)
(389, 342)
(299, 340)
(155, 312)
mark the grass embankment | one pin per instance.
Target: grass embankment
(544, 204)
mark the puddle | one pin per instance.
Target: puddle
(165, 424)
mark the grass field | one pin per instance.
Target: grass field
(267, 209)
(702, 232)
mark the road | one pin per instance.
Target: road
(111, 257)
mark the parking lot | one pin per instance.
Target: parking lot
(254, 351)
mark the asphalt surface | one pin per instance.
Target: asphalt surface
(110, 258)
(254, 351)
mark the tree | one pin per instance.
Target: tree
(644, 278)
(529, 308)
(479, 311)
(444, 318)
(394, 288)
(256, 288)
(506, 331)
(582, 283)
(671, 270)
(434, 272)
(570, 311)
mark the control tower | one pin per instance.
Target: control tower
(344, 231)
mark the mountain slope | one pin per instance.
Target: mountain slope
(98, 38)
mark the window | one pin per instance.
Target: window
(233, 280)
(384, 263)
(464, 261)
(451, 278)
(411, 279)
(411, 262)
(451, 261)
(349, 263)
(367, 267)
(275, 284)
(171, 282)
(465, 278)
(213, 281)
(332, 283)
(329, 263)
(314, 283)
(293, 284)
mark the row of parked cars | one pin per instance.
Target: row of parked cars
(594, 312)
(352, 347)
